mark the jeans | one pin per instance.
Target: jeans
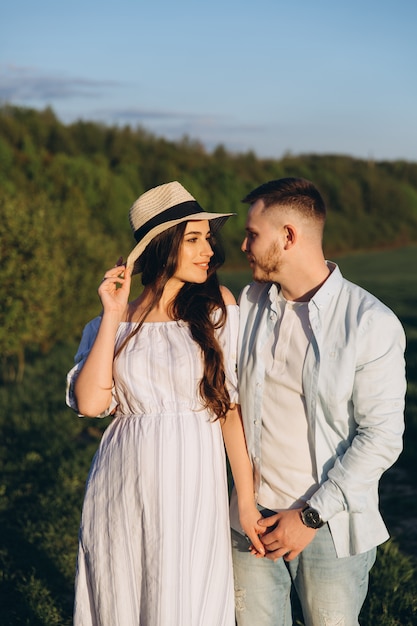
(331, 590)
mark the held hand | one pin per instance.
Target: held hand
(288, 535)
(249, 520)
(114, 289)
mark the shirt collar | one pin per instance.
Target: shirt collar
(330, 286)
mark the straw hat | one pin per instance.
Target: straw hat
(160, 208)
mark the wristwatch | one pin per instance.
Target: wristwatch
(311, 517)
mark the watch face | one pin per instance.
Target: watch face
(311, 518)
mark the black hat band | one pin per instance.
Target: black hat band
(177, 212)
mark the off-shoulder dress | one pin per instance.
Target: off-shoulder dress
(154, 542)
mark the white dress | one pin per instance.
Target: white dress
(154, 545)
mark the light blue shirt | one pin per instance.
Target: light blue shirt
(354, 385)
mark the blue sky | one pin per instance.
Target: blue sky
(269, 76)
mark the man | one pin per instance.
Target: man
(322, 384)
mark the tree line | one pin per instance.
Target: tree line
(65, 191)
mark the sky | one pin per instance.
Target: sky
(272, 77)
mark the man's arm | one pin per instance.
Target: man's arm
(378, 401)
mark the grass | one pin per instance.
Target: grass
(46, 451)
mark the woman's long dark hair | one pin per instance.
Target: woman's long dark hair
(195, 304)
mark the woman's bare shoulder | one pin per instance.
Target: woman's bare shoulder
(227, 295)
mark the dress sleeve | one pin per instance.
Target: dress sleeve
(227, 336)
(87, 340)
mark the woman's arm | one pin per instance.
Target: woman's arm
(94, 383)
(235, 444)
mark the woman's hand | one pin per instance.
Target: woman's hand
(249, 517)
(114, 289)
(93, 387)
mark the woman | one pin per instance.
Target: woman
(154, 545)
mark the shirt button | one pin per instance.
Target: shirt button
(256, 422)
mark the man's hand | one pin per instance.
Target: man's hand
(289, 536)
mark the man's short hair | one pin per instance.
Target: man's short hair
(295, 193)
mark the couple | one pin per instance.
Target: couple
(320, 365)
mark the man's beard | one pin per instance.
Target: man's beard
(267, 265)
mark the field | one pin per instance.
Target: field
(45, 453)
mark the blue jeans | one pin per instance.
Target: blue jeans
(331, 590)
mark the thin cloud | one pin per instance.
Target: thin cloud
(26, 84)
(29, 86)
(138, 115)
(210, 130)
(183, 122)
(145, 114)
